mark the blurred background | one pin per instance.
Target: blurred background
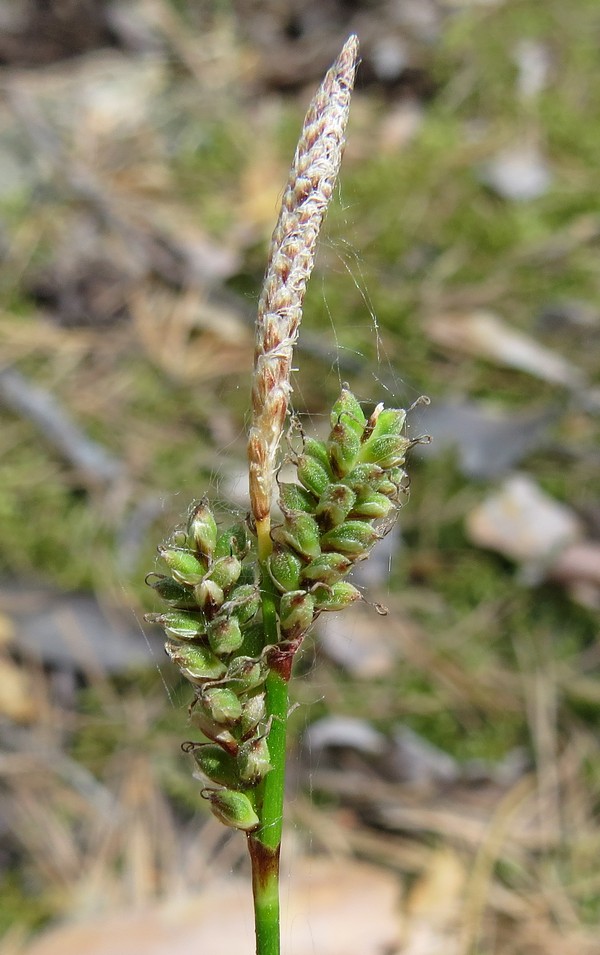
(444, 771)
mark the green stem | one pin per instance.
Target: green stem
(264, 844)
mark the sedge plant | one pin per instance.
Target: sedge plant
(240, 600)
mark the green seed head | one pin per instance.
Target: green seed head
(225, 572)
(245, 674)
(196, 662)
(217, 765)
(327, 568)
(296, 613)
(343, 447)
(232, 542)
(386, 421)
(224, 635)
(301, 532)
(171, 591)
(292, 497)
(334, 506)
(243, 603)
(284, 567)
(388, 451)
(220, 704)
(354, 538)
(364, 477)
(217, 732)
(348, 408)
(317, 450)
(184, 566)
(336, 597)
(202, 529)
(254, 710)
(253, 761)
(313, 474)
(209, 595)
(372, 505)
(177, 623)
(233, 809)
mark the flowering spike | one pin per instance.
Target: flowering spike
(305, 200)
(252, 592)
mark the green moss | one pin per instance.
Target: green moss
(485, 739)
(47, 529)
(208, 160)
(21, 906)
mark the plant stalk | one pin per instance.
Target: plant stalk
(264, 844)
(307, 195)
